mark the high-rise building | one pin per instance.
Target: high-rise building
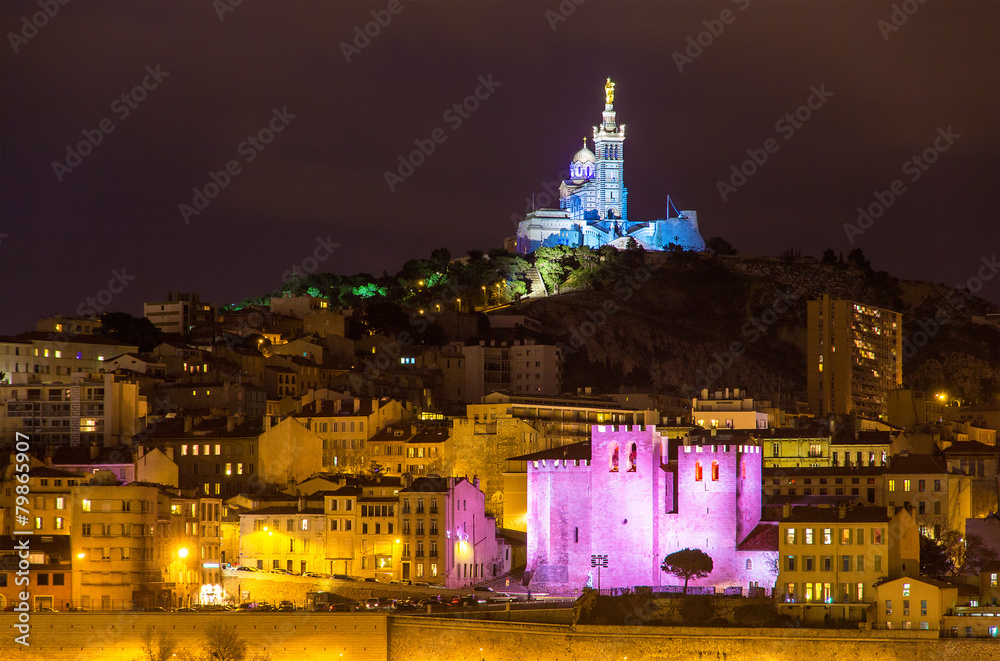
(855, 357)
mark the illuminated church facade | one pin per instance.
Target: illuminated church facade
(593, 202)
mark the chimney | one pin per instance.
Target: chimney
(704, 393)
(842, 511)
(267, 423)
(357, 404)
(230, 423)
(336, 405)
(786, 510)
(890, 510)
(94, 451)
(188, 426)
(302, 503)
(475, 481)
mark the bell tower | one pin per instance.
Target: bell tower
(609, 150)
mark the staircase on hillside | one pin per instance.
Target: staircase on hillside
(537, 284)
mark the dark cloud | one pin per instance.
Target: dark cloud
(324, 174)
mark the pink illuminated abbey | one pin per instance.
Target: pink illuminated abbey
(634, 496)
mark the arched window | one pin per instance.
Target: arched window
(749, 564)
(697, 471)
(744, 467)
(631, 458)
(715, 471)
(614, 459)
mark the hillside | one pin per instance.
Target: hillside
(675, 321)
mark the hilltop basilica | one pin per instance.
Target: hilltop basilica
(593, 202)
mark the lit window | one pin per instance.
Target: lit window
(892, 485)
(790, 536)
(809, 535)
(85, 505)
(218, 449)
(305, 524)
(697, 471)
(715, 471)
(58, 354)
(239, 469)
(876, 536)
(229, 469)
(906, 485)
(184, 450)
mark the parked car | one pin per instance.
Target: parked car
(245, 568)
(283, 572)
(430, 601)
(501, 597)
(186, 609)
(372, 605)
(265, 607)
(312, 574)
(46, 609)
(406, 605)
(421, 584)
(371, 580)
(341, 577)
(286, 606)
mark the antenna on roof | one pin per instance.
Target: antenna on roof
(670, 204)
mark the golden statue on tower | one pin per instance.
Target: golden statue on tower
(609, 92)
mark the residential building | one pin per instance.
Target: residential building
(414, 449)
(51, 494)
(447, 538)
(48, 357)
(722, 410)
(131, 551)
(865, 448)
(513, 366)
(816, 485)
(287, 537)
(940, 500)
(914, 603)
(84, 409)
(48, 575)
(69, 325)
(345, 424)
(854, 357)
(836, 555)
(795, 448)
(228, 456)
(180, 313)
(981, 463)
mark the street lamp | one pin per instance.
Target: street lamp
(81, 555)
(182, 553)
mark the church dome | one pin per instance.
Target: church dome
(584, 156)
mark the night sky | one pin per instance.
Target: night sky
(323, 175)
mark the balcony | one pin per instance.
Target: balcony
(433, 510)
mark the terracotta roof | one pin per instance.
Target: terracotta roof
(431, 485)
(916, 464)
(764, 537)
(571, 451)
(864, 514)
(282, 510)
(971, 447)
